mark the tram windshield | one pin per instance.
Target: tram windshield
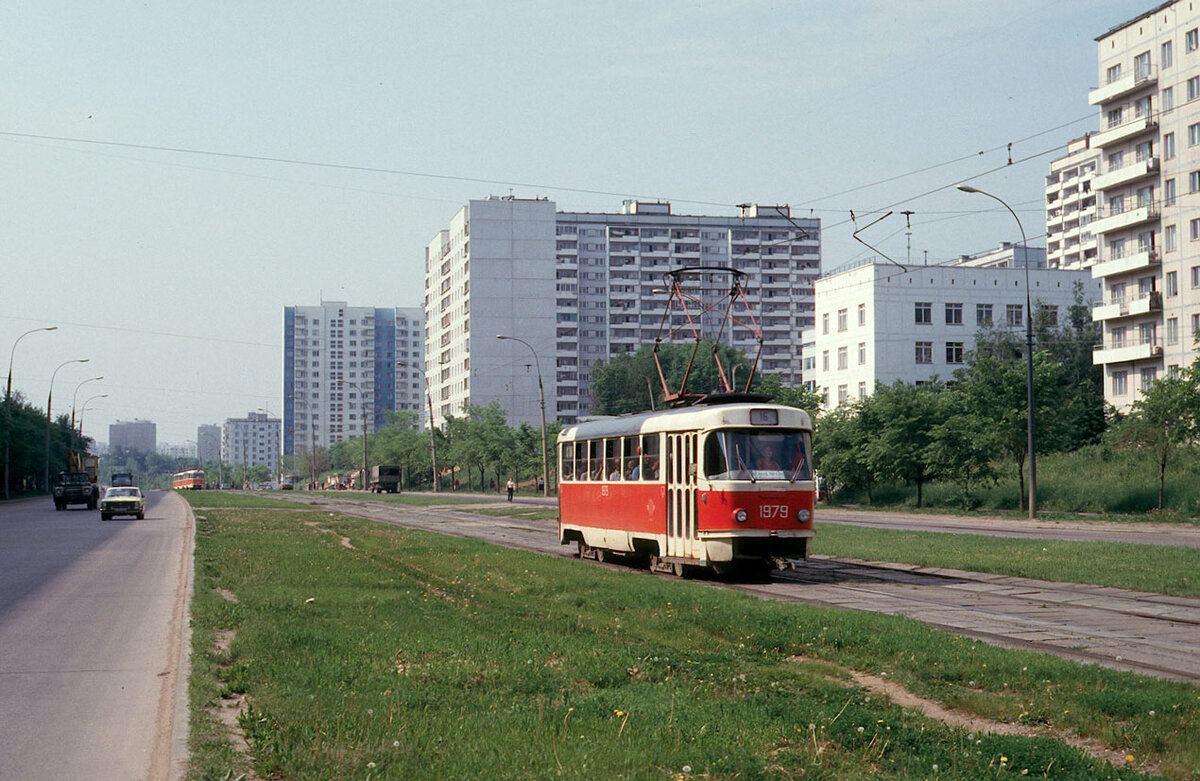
(757, 454)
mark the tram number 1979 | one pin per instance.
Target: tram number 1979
(769, 511)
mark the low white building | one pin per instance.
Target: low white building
(251, 440)
(878, 323)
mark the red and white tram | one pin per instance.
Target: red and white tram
(191, 479)
(727, 486)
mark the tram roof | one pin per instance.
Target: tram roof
(683, 419)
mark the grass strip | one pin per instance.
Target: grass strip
(367, 651)
(230, 499)
(1162, 569)
(416, 500)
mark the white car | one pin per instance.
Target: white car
(123, 500)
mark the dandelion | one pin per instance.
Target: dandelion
(1003, 758)
(1129, 757)
(619, 712)
(395, 744)
(687, 768)
(935, 767)
(370, 764)
(1151, 713)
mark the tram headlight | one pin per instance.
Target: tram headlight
(740, 516)
(803, 516)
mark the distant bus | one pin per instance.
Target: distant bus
(192, 479)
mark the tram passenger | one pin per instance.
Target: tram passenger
(766, 461)
(651, 468)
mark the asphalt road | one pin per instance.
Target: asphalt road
(91, 625)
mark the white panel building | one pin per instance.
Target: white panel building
(345, 367)
(1149, 197)
(580, 288)
(877, 323)
(251, 440)
(1071, 207)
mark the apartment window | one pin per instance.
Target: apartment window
(1116, 160)
(825, 323)
(1165, 59)
(1171, 282)
(824, 360)
(1172, 330)
(1118, 336)
(843, 357)
(954, 314)
(1149, 375)
(1194, 134)
(1195, 326)
(1195, 271)
(924, 352)
(862, 314)
(862, 390)
(1013, 314)
(983, 314)
(1141, 65)
(1113, 116)
(1193, 88)
(1191, 40)
(1194, 229)
(1169, 192)
(1170, 242)
(1120, 383)
(1194, 181)
(1114, 72)
(842, 394)
(842, 319)
(954, 352)
(923, 313)
(1167, 102)
(1116, 249)
(862, 353)
(1051, 314)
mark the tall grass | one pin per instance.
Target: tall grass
(366, 651)
(1096, 479)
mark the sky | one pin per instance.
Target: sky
(174, 174)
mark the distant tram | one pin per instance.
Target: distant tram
(192, 479)
(725, 486)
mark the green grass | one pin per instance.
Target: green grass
(249, 499)
(1164, 569)
(417, 500)
(413, 656)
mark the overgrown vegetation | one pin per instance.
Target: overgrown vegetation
(365, 651)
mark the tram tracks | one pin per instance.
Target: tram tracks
(1143, 632)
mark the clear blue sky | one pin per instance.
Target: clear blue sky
(169, 269)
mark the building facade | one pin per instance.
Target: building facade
(1148, 189)
(208, 443)
(581, 288)
(251, 440)
(135, 435)
(186, 451)
(877, 323)
(345, 367)
(1071, 207)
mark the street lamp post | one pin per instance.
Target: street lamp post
(432, 438)
(1029, 437)
(8, 402)
(75, 397)
(49, 399)
(363, 415)
(542, 401)
(85, 407)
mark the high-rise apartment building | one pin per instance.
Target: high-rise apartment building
(345, 367)
(1071, 207)
(1148, 187)
(208, 443)
(580, 288)
(136, 435)
(251, 440)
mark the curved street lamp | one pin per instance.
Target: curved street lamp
(432, 442)
(1031, 455)
(85, 407)
(75, 397)
(8, 401)
(542, 401)
(49, 399)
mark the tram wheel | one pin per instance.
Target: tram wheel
(600, 555)
(678, 569)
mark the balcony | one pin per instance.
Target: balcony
(1125, 217)
(1120, 87)
(1126, 174)
(1128, 307)
(1135, 262)
(1124, 352)
(1124, 131)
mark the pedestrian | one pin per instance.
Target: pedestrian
(511, 487)
(541, 484)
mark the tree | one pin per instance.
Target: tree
(840, 449)
(963, 445)
(793, 396)
(630, 382)
(900, 418)
(1164, 420)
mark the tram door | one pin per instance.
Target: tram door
(681, 496)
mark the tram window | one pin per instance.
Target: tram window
(757, 455)
(631, 453)
(612, 461)
(596, 459)
(581, 461)
(566, 455)
(649, 457)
